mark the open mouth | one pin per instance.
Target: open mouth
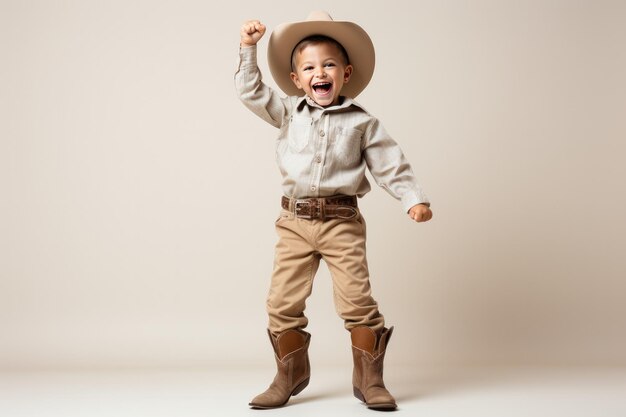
(322, 88)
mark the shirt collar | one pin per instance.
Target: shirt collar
(347, 102)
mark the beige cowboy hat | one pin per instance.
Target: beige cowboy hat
(351, 36)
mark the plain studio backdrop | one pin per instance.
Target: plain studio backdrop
(138, 194)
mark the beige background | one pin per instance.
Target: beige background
(138, 194)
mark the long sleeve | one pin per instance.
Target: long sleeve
(390, 168)
(258, 97)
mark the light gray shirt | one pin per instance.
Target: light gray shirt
(324, 151)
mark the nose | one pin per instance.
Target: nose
(320, 72)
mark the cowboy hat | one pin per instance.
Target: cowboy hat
(351, 36)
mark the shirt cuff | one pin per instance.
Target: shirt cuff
(412, 198)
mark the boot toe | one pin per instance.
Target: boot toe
(267, 400)
(380, 399)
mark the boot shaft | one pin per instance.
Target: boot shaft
(368, 354)
(289, 342)
(366, 340)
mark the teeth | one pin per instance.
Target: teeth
(322, 86)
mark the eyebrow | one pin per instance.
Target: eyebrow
(324, 61)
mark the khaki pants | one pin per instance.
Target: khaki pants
(301, 245)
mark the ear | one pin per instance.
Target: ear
(296, 80)
(347, 73)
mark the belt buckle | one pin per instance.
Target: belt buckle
(298, 205)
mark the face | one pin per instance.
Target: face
(321, 73)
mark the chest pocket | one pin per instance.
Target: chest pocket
(347, 143)
(300, 131)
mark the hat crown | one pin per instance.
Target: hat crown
(319, 15)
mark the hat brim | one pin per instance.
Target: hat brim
(351, 36)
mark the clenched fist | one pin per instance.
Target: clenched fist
(420, 213)
(251, 32)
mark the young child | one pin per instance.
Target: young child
(325, 143)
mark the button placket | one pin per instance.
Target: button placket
(320, 156)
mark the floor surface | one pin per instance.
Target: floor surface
(471, 392)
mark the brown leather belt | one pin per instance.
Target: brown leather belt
(342, 206)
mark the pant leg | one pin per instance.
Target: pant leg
(342, 245)
(295, 263)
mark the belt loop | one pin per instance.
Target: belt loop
(323, 208)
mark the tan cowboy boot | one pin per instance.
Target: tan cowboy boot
(292, 360)
(368, 352)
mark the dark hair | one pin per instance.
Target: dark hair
(315, 40)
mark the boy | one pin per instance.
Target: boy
(326, 141)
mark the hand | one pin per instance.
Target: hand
(251, 32)
(420, 213)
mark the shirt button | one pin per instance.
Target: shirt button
(318, 159)
(322, 133)
(313, 188)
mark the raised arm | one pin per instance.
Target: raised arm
(258, 97)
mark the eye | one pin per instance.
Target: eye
(307, 68)
(329, 64)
